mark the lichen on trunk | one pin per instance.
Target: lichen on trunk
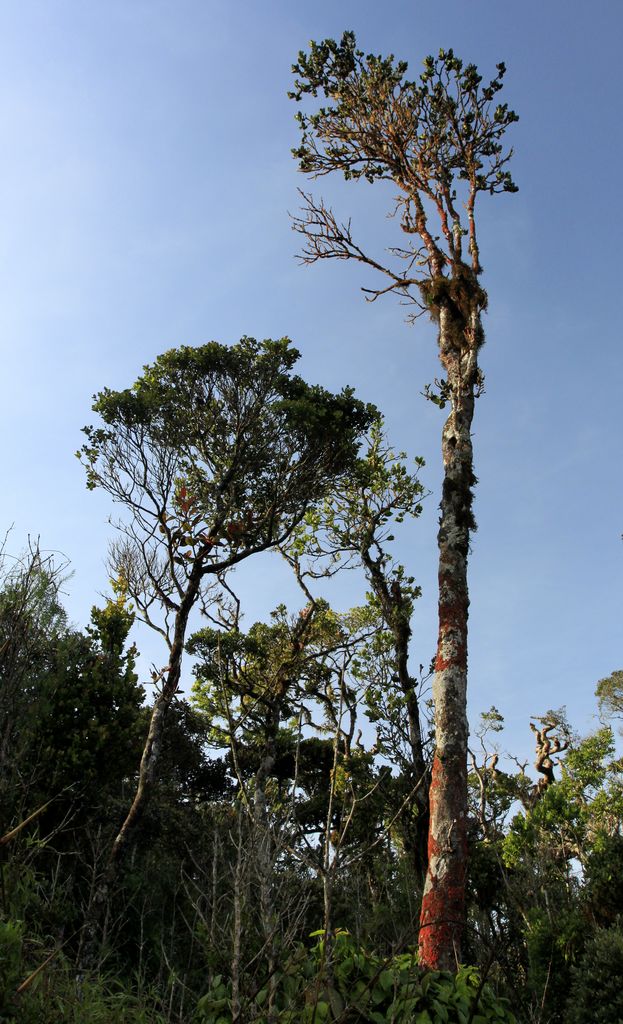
(443, 902)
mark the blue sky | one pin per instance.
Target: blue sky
(145, 185)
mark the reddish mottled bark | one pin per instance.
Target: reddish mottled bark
(443, 902)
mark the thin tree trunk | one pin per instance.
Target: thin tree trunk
(153, 743)
(146, 779)
(264, 847)
(214, 893)
(396, 610)
(236, 958)
(443, 904)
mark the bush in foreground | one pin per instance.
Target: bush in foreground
(347, 984)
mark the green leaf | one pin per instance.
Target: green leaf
(337, 1003)
(386, 980)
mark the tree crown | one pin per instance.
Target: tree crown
(215, 452)
(438, 138)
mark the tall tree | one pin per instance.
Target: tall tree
(215, 454)
(439, 140)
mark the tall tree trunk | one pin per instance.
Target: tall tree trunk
(443, 904)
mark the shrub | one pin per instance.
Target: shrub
(347, 984)
(596, 989)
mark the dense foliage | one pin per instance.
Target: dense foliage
(286, 802)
